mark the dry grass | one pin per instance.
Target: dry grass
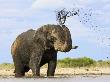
(6, 70)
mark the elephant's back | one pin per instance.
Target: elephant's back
(28, 35)
(20, 45)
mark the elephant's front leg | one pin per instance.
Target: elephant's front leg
(52, 63)
(51, 67)
(35, 63)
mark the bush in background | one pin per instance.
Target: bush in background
(6, 66)
(76, 62)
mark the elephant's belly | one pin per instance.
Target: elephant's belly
(49, 55)
(43, 61)
(46, 57)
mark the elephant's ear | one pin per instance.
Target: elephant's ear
(41, 38)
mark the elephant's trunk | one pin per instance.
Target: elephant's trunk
(68, 41)
(66, 47)
(74, 47)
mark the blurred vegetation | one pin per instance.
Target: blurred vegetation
(69, 62)
(101, 63)
(6, 66)
(76, 62)
(82, 62)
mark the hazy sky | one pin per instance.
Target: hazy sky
(17, 16)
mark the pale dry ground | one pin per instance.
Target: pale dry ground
(63, 72)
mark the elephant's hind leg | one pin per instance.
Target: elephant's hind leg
(19, 67)
(19, 72)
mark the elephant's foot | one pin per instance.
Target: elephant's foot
(36, 76)
(50, 76)
(19, 75)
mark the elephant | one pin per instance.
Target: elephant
(34, 48)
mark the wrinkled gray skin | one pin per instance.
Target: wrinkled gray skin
(34, 48)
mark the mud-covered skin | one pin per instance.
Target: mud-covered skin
(49, 57)
(34, 48)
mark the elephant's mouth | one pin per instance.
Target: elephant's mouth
(66, 49)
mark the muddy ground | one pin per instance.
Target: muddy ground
(61, 72)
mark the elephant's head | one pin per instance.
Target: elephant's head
(58, 37)
(62, 38)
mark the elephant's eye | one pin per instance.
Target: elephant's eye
(53, 39)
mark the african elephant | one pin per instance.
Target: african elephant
(34, 48)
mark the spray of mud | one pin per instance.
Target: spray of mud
(88, 17)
